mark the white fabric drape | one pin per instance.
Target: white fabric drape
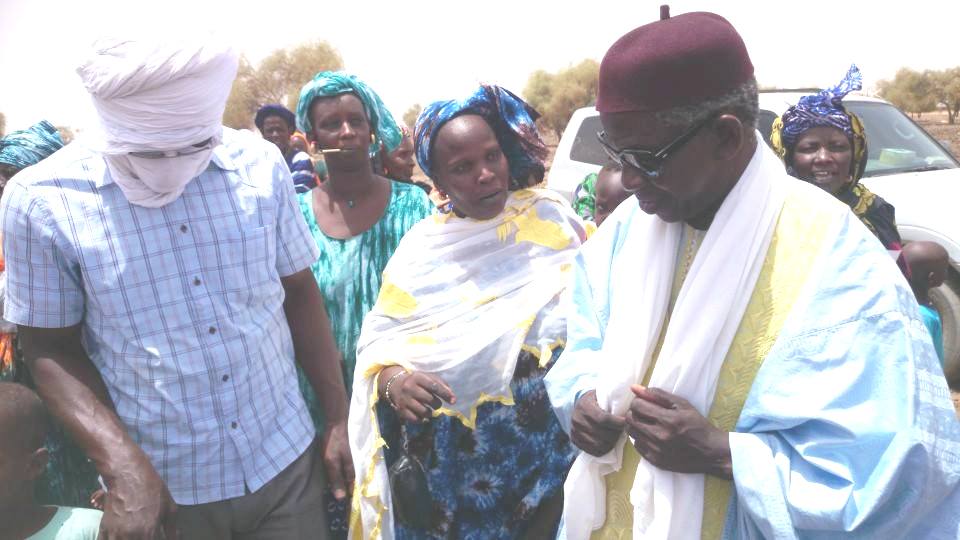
(705, 318)
(161, 94)
(460, 299)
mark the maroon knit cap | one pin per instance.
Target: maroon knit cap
(673, 62)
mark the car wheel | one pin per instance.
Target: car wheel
(946, 300)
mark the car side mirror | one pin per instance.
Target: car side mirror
(946, 145)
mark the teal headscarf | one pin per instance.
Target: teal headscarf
(334, 83)
(21, 149)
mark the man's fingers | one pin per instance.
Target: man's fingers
(646, 412)
(610, 422)
(657, 396)
(335, 476)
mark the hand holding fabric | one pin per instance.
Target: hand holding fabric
(594, 430)
(672, 435)
(415, 395)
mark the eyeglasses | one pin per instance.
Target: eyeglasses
(161, 154)
(650, 163)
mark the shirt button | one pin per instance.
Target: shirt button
(196, 281)
(233, 425)
(183, 228)
(226, 378)
(212, 330)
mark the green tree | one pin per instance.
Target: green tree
(557, 95)
(410, 117)
(911, 91)
(278, 79)
(945, 88)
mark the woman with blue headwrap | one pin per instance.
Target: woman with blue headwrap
(21, 149)
(451, 359)
(356, 216)
(70, 478)
(821, 142)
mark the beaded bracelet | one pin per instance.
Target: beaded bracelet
(386, 390)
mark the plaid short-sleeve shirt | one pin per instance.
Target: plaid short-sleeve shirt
(181, 306)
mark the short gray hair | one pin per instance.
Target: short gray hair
(742, 102)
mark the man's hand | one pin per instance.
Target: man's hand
(594, 430)
(416, 395)
(673, 436)
(337, 460)
(138, 506)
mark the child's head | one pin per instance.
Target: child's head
(928, 262)
(608, 192)
(23, 425)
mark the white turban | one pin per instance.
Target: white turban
(160, 94)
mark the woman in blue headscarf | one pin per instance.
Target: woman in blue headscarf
(451, 359)
(70, 478)
(356, 216)
(821, 142)
(21, 149)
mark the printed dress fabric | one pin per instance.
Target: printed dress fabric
(488, 482)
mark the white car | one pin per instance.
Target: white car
(905, 166)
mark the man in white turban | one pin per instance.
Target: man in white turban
(159, 274)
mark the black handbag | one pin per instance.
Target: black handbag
(412, 504)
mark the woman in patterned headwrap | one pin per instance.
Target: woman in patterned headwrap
(451, 360)
(356, 216)
(70, 478)
(823, 143)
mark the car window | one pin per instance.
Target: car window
(586, 147)
(895, 144)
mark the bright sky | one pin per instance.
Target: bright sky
(420, 51)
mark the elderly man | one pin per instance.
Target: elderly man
(277, 124)
(159, 275)
(743, 358)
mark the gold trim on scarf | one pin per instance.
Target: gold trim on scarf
(797, 239)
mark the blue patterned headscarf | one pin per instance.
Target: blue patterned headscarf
(821, 109)
(335, 83)
(512, 120)
(21, 149)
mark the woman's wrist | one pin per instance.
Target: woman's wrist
(389, 377)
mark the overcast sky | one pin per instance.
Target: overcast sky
(420, 51)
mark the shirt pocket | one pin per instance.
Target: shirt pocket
(242, 264)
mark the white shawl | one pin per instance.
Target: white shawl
(705, 318)
(460, 299)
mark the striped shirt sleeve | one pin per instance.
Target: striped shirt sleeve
(44, 286)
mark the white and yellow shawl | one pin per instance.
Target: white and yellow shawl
(460, 299)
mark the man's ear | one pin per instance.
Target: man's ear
(729, 135)
(38, 462)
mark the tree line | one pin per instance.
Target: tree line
(918, 92)
(556, 95)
